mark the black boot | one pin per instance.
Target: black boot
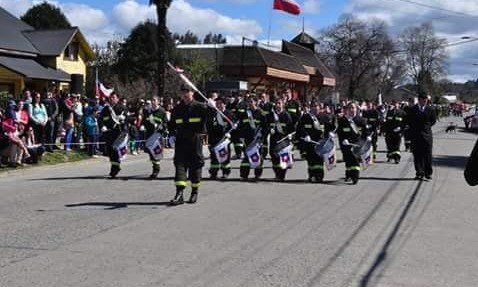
(115, 169)
(194, 196)
(179, 197)
(155, 172)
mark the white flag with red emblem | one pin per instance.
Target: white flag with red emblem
(289, 6)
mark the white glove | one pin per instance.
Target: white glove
(104, 129)
(397, 129)
(141, 128)
(345, 142)
(369, 138)
(155, 126)
(273, 131)
(289, 137)
(227, 135)
(211, 103)
(121, 118)
(235, 126)
(331, 135)
(172, 140)
(307, 139)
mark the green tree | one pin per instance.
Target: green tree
(45, 16)
(214, 39)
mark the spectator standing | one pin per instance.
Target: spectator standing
(38, 118)
(92, 131)
(68, 120)
(52, 109)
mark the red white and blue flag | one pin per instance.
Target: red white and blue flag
(289, 6)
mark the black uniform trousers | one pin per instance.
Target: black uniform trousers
(188, 161)
(393, 141)
(352, 164)
(109, 137)
(278, 171)
(422, 155)
(315, 162)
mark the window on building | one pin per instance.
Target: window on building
(71, 52)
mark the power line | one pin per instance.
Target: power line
(438, 8)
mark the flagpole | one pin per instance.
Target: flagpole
(269, 28)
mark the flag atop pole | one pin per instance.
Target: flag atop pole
(289, 6)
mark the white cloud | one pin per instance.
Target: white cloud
(311, 7)
(182, 16)
(17, 8)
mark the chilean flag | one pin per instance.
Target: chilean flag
(101, 90)
(289, 6)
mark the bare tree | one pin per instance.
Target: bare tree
(425, 56)
(361, 53)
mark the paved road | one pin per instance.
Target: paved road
(70, 226)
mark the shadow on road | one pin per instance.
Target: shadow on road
(117, 205)
(145, 178)
(386, 178)
(458, 162)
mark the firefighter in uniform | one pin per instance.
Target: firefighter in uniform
(237, 108)
(351, 129)
(393, 128)
(420, 120)
(280, 125)
(251, 122)
(314, 126)
(217, 129)
(112, 122)
(266, 106)
(155, 121)
(188, 121)
(372, 115)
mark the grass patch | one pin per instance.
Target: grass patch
(57, 157)
(61, 156)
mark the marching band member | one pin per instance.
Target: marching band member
(250, 123)
(155, 121)
(280, 128)
(112, 123)
(372, 115)
(313, 127)
(351, 129)
(393, 128)
(217, 130)
(188, 120)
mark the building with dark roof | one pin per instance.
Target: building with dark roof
(295, 66)
(36, 59)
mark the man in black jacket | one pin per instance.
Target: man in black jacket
(52, 110)
(420, 119)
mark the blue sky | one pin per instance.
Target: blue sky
(103, 20)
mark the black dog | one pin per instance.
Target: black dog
(451, 128)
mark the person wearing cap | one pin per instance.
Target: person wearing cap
(217, 130)
(154, 122)
(393, 127)
(420, 120)
(188, 123)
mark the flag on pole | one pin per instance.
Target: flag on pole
(100, 89)
(289, 6)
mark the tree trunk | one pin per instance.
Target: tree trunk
(161, 10)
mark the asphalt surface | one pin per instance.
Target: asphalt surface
(69, 225)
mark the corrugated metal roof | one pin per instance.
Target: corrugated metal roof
(32, 69)
(11, 37)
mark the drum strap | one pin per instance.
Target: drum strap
(277, 123)
(219, 119)
(252, 123)
(316, 122)
(354, 126)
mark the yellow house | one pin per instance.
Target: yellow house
(40, 59)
